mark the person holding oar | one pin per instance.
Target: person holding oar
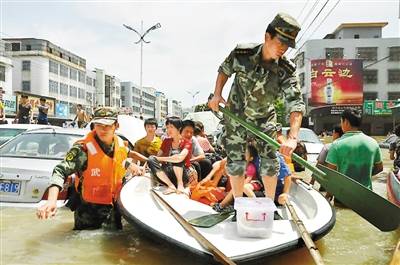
(262, 75)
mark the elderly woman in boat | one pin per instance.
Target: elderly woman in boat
(172, 161)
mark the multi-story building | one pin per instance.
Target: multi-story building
(174, 108)
(380, 63)
(161, 108)
(6, 81)
(42, 69)
(131, 95)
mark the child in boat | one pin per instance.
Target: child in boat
(171, 163)
(252, 181)
(282, 188)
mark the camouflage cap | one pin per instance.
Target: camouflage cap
(105, 115)
(286, 28)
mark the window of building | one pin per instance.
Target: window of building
(81, 77)
(394, 53)
(394, 76)
(367, 53)
(53, 67)
(2, 73)
(89, 81)
(63, 70)
(356, 36)
(301, 79)
(81, 93)
(73, 91)
(89, 97)
(73, 74)
(26, 85)
(370, 76)
(63, 89)
(94, 82)
(334, 53)
(72, 108)
(370, 95)
(393, 95)
(26, 65)
(28, 47)
(15, 46)
(53, 87)
(122, 88)
(300, 60)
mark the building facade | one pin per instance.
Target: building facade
(174, 108)
(161, 108)
(380, 69)
(41, 68)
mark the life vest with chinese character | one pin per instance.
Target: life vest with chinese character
(102, 180)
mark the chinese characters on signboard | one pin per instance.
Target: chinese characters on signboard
(336, 82)
(381, 107)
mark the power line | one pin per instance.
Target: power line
(313, 20)
(301, 12)
(320, 24)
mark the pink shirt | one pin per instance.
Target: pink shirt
(204, 143)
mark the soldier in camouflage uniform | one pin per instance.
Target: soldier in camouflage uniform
(262, 75)
(89, 215)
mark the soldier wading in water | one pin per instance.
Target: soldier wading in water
(98, 162)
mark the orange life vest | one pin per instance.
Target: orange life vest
(102, 180)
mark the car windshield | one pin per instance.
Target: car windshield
(307, 136)
(8, 133)
(39, 145)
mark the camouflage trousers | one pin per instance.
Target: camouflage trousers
(94, 216)
(235, 141)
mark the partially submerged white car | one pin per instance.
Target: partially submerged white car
(27, 162)
(8, 131)
(313, 144)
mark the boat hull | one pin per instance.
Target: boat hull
(143, 211)
(393, 188)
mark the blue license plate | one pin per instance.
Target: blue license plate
(11, 187)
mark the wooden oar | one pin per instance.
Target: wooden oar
(375, 209)
(304, 234)
(218, 255)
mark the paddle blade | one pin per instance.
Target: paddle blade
(207, 221)
(375, 209)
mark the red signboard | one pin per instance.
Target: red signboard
(336, 82)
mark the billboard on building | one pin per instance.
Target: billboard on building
(336, 82)
(10, 104)
(35, 101)
(62, 110)
(379, 107)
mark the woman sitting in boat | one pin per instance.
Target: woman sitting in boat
(171, 163)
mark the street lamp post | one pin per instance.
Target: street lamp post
(141, 35)
(193, 97)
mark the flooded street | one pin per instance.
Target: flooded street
(27, 240)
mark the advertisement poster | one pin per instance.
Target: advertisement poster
(62, 110)
(336, 82)
(10, 104)
(34, 100)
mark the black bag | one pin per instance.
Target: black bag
(302, 152)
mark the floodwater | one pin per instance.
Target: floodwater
(27, 240)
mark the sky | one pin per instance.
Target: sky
(183, 55)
